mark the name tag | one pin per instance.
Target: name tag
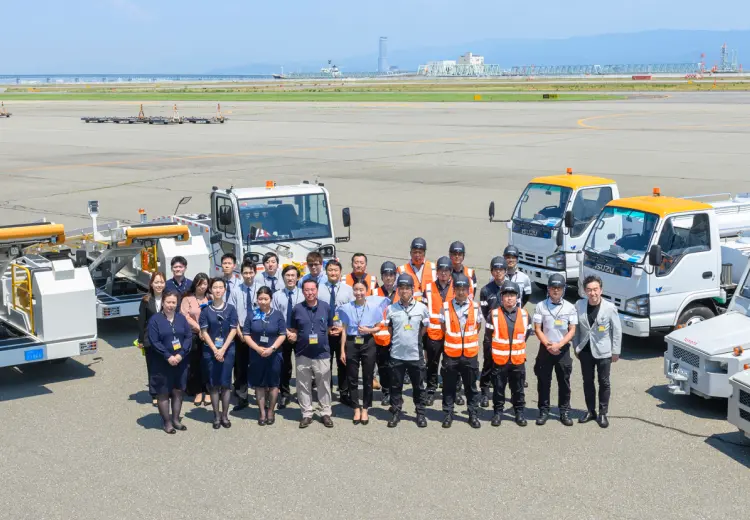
(520, 337)
(559, 323)
(219, 342)
(176, 344)
(335, 317)
(408, 327)
(602, 328)
(359, 340)
(313, 339)
(264, 339)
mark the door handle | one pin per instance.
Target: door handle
(707, 275)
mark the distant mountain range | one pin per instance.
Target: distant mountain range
(659, 46)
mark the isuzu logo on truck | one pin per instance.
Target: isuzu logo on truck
(529, 232)
(605, 268)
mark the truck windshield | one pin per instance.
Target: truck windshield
(542, 204)
(622, 233)
(295, 217)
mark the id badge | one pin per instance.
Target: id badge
(313, 339)
(602, 328)
(219, 342)
(176, 344)
(408, 327)
(264, 339)
(559, 323)
(335, 317)
(359, 340)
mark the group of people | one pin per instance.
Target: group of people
(420, 323)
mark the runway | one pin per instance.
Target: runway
(81, 440)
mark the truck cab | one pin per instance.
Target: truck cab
(667, 262)
(551, 221)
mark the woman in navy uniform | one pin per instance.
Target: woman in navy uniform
(218, 322)
(170, 340)
(150, 305)
(265, 331)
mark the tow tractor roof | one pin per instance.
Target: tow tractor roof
(572, 181)
(277, 191)
(658, 205)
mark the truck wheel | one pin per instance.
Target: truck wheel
(693, 315)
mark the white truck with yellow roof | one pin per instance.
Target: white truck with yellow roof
(551, 221)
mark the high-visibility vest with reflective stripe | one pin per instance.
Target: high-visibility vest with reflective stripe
(456, 343)
(382, 337)
(502, 350)
(370, 282)
(435, 306)
(428, 276)
(469, 273)
(380, 291)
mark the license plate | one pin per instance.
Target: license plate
(36, 354)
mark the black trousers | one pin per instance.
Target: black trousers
(364, 355)
(383, 359)
(287, 350)
(195, 384)
(454, 369)
(562, 365)
(602, 366)
(335, 344)
(433, 350)
(486, 378)
(241, 364)
(503, 375)
(399, 369)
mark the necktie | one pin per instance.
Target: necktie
(332, 301)
(273, 284)
(289, 310)
(249, 297)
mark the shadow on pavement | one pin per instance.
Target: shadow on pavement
(692, 405)
(31, 379)
(734, 445)
(142, 397)
(643, 348)
(151, 421)
(119, 332)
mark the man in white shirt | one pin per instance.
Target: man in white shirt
(242, 297)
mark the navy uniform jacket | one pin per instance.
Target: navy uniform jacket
(161, 333)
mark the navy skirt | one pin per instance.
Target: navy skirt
(218, 374)
(265, 372)
(163, 377)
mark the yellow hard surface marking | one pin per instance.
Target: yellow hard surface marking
(572, 181)
(661, 206)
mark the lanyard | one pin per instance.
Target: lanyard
(549, 309)
(265, 319)
(360, 315)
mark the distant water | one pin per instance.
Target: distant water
(52, 79)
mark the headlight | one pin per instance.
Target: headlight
(328, 251)
(556, 261)
(638, 306)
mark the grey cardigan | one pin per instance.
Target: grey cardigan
(605, 335)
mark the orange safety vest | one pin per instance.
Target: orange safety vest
(380, 291)
(370, 282)
(502, 350)
(456, 343)
(428, 276)
(468, 273)
(435, 306)
(382, 337)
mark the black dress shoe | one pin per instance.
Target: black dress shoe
(588, 416)
(474, 422)
(171, 431)
(217, 425)
(520, 419)
(430, 399)
(261, 422)
(386, 401)
(241, 405)
(356, 421)
(226, 423)
(602, 420)
(305, 422)
(448, 421)
(460, 400)
(565, 419)
(395, 418)
(484, 402)
(327, 422)
(180, 427)
(270, 421)
(421, 421)
(542, 419)
(496, 419)
(525, 384)
(365, 422)
(284, 402)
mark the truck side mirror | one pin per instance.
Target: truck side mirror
(225, 215)
(346, 217)
(559, 238)
(492, 210)
(655, 256)
(215, 238)
(569, 219)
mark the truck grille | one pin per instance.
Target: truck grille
(744, 414)
(745, 398)
(531, 258)
(695, 377)
(687, 357)
(616, 301)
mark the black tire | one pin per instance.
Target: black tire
(694, 314)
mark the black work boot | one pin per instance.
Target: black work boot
(542, 419)
(448, 421)
(520, 418)
(497, 419)
(565, 419)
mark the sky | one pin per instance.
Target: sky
(195, 36)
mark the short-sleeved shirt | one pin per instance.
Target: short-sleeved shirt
(367, 315)
(280, 301)
(243, 298)
(555, 319)
(342, 293)
(274, 282)
(180, 288)
(269, 326)
(307, 321)
(321, 279)
(405, 322)
(218, 322)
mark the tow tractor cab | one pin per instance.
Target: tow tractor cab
(48, 306)
(738, 411)
(551, 221)
(290, 221)
(668, 262)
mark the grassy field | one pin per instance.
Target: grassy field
(322, 95)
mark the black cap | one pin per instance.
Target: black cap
(388, 267)
(457, 247)
(509, 287)
(405, 280)
(443, 263)
(511, 251)
(419, 243)
(498, 263)
(556, 280)
(461, 281)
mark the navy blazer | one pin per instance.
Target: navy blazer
(160, 335)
